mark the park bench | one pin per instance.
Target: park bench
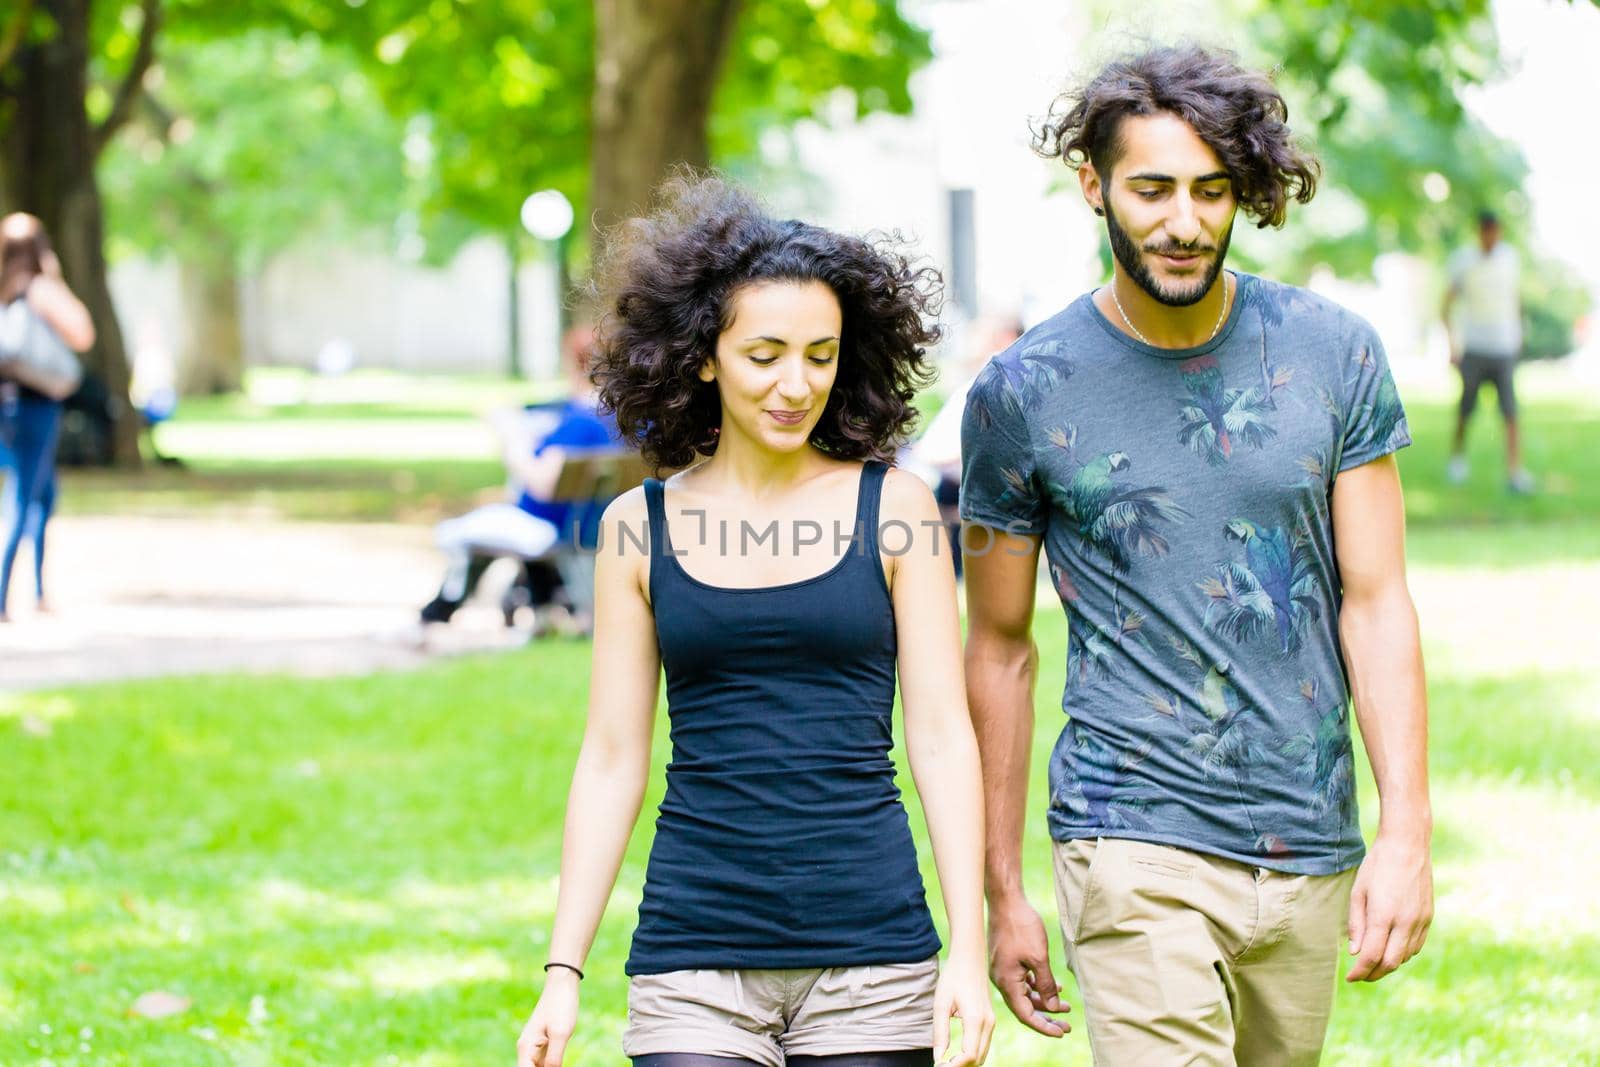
(589, 479)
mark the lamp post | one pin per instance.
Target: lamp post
(547, 215)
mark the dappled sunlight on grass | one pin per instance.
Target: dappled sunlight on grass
(40, 707)
(20, 900)
(1535, 874)
(1475, 997)
(226, 838)
(426, 1059)
(1488, 625)
(421, 894)
(289, 903)
(1542, 731)
(1559, 446)
(374, 489)
(416, 972)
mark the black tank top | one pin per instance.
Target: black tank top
(781, 841)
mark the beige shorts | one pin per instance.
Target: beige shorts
(764, 1015)
(1187, 958)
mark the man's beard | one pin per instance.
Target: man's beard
(1132, 261)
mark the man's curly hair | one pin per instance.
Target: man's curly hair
(664, 288)
(1236, 111)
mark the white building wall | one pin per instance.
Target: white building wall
(392, 314)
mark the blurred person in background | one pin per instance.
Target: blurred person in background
(1483, 315)
(30, 421)
(528, 528)
(783, 920)
(1206, 457)
(935, 456)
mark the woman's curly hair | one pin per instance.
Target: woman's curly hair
(1236, 111)
(664, 288)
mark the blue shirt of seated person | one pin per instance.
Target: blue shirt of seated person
(579, 424)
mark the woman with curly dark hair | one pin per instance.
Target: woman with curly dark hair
(1206, 458)
(779, 581)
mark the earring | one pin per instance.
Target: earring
(1100, 211)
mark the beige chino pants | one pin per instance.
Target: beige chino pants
(1184, 958)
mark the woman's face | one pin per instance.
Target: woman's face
(776, 362)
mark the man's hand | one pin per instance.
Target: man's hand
(1391, 907)
(1019, 966)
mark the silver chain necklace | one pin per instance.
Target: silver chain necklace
(1129, 322)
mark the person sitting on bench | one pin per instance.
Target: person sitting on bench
(535, 440)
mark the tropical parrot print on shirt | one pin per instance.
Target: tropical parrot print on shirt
(1270, 595)
(1380, 415)
(1326, 754)
(1020, 386)
(1104, 791)
(1119, 520)
(1226, 734)
(1216, 419)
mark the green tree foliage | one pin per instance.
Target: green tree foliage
(211, 159)
(1552, 304)
(219, 175)
(1375, 88)
(502, 91)
(790, 57)
(1381, 85)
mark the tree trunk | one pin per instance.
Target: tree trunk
(657, 63)
(213, 360)
(47, 158)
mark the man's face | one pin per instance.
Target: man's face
(1488, 235)
(1169, 208)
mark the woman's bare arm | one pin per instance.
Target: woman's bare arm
(614, 762)
(941, 749)
(58, 306)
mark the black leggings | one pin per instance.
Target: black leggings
(917, 1057)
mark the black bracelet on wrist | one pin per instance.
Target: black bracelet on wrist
(565, 966)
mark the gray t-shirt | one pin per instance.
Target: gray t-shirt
(1184, 501)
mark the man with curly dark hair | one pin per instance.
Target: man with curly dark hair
(1206, 458)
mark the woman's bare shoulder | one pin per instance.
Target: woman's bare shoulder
(906, 496)
(629, 506)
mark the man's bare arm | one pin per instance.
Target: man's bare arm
(1001, 663)
(1391, 905)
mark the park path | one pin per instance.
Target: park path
(141, 596)
(145, 597)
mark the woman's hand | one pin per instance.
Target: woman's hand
(963, 992)
(544, 1039)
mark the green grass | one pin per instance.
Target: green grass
(375, 859)
(1561, 521)
(338, 489)
(289, 393)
